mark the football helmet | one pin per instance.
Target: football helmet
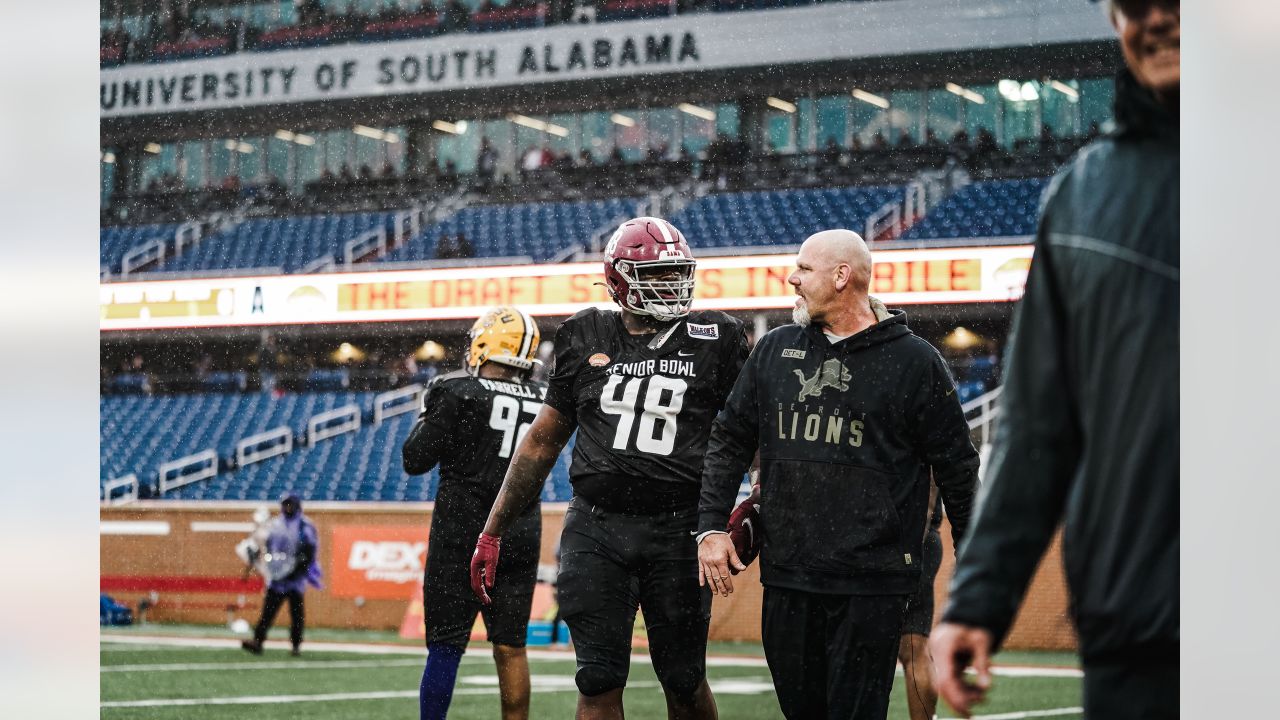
(505, 335)
(638, 268)
(746, 530)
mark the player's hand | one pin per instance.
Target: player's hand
(484, 566)
(715, 557)
(955, 647)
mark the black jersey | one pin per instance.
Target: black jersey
(643, 404)
(471, 426)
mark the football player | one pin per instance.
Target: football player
(471, 422)
(641, 387)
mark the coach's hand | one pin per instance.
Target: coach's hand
(954, 648)
(715, 557)
(484, 566)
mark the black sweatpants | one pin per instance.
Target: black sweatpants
(832, 656)
(271, 606)
(1145, 689)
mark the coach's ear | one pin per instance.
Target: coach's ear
(843, 272)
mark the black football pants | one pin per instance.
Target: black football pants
(832, 657)
(610, 563)
(1139, 689)
(271, 606)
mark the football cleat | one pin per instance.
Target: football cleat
(648, 269)
(745, 528)
(505, 335)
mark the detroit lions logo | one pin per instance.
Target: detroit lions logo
(832, 374)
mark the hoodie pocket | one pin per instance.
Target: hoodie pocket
(833, 519)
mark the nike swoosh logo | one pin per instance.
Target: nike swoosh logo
(682, 353)
(950, 392)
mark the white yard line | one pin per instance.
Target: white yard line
(1022, 715)
(294, 665)
(1032, 671)
(111, 647)
(276, 699)
(328, 697)
(163, 642)
(222, 643)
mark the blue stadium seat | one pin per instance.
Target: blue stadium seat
(116, 240)
(139, 433)
(998, 208)
(539, 230)
(778, 217)
(288, 243)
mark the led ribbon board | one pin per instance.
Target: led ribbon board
(755, 282)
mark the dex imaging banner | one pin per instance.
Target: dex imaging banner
(378, 563)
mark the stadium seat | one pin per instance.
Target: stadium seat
(288, 243)
(539, 230)
(139, 433)
(997, 208)
(116, 240)
(778, 217)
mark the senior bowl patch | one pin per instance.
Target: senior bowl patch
(703, 332)
(598, 360)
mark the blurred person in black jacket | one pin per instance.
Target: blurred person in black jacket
(1088, 433)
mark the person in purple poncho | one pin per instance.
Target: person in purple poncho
(291, 565)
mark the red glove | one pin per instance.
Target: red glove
(484, 566)
(745, 528)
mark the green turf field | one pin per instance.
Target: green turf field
(151, 679)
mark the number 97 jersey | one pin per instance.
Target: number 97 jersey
(643, 404)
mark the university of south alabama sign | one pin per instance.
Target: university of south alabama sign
(353, 71)
(687, 43)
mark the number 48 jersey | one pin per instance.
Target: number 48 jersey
(643, 404)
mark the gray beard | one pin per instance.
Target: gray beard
(800, 315)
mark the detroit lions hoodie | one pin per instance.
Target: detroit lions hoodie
(847, 434)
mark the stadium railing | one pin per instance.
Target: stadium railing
(396, 402)
(981, 413)
(332, 423)
(264, 445)
(128, 483)
(186, 470)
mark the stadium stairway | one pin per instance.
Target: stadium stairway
(290, 243)
(995, 208)
(538, 230)
(139, 433)
(544, 231)
(116, 240)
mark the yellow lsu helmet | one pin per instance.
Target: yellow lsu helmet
(505, 335)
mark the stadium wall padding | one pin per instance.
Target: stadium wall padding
(185, 558)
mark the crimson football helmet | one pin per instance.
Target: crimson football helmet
(746, 530)
(648, 269)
